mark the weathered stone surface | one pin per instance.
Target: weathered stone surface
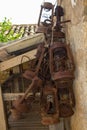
(76, 33)
(85, 19)
(85, 2)
(85, 10)
(80, 43)
(79, 122)
(74, 13)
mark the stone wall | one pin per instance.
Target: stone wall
(76, 35)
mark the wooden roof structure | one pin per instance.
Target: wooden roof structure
(11, 52)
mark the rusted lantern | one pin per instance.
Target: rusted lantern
(49, 105)
(65, 110)
(31, 73)
(61, 62)
(66, 101)
(41, 64)
(45, 20)
(58, 35)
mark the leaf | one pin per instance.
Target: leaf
(5, 26)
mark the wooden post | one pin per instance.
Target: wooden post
(67, 124)
(58, 126)
(64, 124)
(3, 122)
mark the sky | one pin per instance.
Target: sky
(21, 11)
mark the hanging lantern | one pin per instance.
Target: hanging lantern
(45, 18)
(66, 101)
(65, 110)
(49, 105)
(30, 74)
(61, 62)
(58, 36)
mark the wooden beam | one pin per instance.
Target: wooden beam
(17, 60)
(3, 122)
(14, 96)
(11, 96)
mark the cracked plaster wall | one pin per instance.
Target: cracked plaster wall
(76, 35)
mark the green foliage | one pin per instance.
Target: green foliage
(5, 27)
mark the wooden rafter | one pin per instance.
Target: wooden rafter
(16, 60)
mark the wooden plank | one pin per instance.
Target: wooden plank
(17, 60)
(3, 122)
(14, 96)
(11, 96)
(24, 42)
